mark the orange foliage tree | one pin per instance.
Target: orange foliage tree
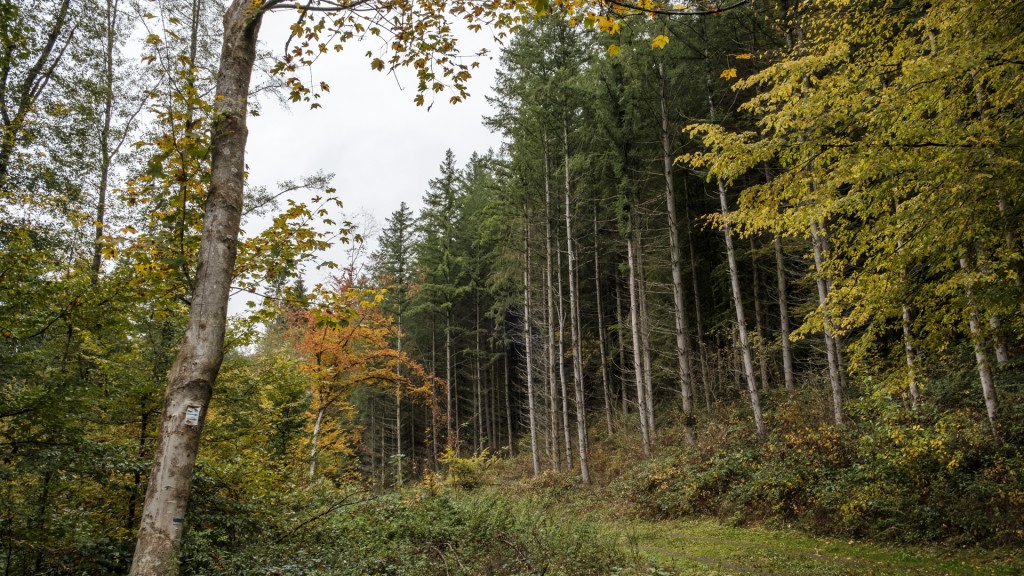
(346, 341)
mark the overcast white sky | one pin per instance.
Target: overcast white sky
(381, 146)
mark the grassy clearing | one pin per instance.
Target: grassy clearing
(707, 548)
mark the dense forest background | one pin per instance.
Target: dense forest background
(761, 263)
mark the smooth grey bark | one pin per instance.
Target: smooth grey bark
(315, 440)
(908, 349)
(528, 338)
(601, 336)
(830, 344)
(549, 293)
(563, 381)
(984, 368)
(398, 400)
(638, 372)
(574, 324)
(741, 322)
(784, 329)
(191, 379)
(621, 340)
(683, 354)
(645, 334)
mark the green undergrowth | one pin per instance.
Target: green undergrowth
(414, 533)
(887, 475)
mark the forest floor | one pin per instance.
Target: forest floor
(708, 548)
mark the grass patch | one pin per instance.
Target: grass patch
(708, 548)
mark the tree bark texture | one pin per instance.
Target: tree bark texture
(741, 322)
(683, 355)
(190, 383)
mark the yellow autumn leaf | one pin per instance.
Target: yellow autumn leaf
(613, 50)
(659, 42)
(728, 73)
(747, 56)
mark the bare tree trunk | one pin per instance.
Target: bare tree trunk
(574, 323)
(621, 342)
(784, 330)
(508, 407)
(398, 402)
(908, 348)
(190, 384)
(984, 369)
(452, 439)
(528, 338)
(682, 329)
(762, 357)
(741, 322)
(830, 344)
(549, 292)
(563, 381)
(634, 315)
(645, 335)
(601, 336)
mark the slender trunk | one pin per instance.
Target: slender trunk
(601, 336)
(563, 381)
(478, 398)
(784, 330)
(621, 340)
(451, 439)
(984, 369)
(528, 339)
(830, 344)
(434, 411)
(755, 280)
(908, 348)
(645, 334)
(190, 384)
(741, 322)
(1002, 355)
(574, 324)
(549, 292)
(508, 410)
(682, 329)
(314, 440)
(104, 138)
(398, 402)
(705, 378)
(634, 315)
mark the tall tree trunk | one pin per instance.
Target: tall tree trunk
(682, 329)
(528, 339)
(638, 372)
(601, 336)
(755, 280)
(645, 334)
(314, 441)
(398, 402)
(574, 323)
(621, 341)
(195, 369)
(549, 292)
(830, 344)
(705, 378)
(451, 415)
(741, 322)
(984, 369)
(106, 153)
(563, 381)
(784, 330)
